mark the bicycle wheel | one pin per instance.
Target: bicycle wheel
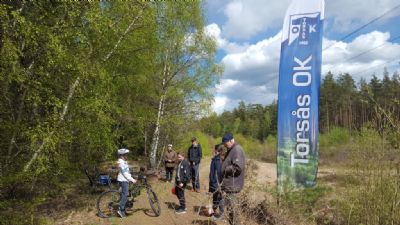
(108, 203)
(153, 200)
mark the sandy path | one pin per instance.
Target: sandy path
(142, 214)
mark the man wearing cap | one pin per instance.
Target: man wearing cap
(194, 157)
(169, 160)
(232, 176)
(124, 177)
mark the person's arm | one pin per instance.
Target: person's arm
(188, 153)
(217, 170)
(165, 157)
(125, 172)
(236, 166)
(174, 157)
(200, 154)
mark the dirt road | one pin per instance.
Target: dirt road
(141, 215)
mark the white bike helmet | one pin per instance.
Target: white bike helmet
(122, 151)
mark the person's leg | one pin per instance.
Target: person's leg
(171, 173)
(180, 193)
(197, 181)
(233, 207)
(193, 177)
(220, 204)
(215, 201)
(166, 174)
(124, 196)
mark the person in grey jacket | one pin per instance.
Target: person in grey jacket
(169, 160)
(194, 157)
(232, 176)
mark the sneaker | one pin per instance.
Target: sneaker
(121, 213)
(198, 190)
(180, 211)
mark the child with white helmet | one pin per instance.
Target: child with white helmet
(124, 177)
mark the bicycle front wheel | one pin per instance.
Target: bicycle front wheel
(108, 203)
(153, 200)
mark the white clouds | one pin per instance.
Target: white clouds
(214, 31)
(350, 14)
(246, 18)
(252, 74)
(348, 58)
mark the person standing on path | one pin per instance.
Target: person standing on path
(169, 160)
(194, 157)
(181, 179)
(124, 177)
(214, 184)
(232, 177)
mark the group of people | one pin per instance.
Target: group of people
(226, 177)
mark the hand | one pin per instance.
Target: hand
(193, 163)
(134, 181)
(181, 185)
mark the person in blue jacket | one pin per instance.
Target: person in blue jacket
(214, 183)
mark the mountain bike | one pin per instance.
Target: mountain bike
(108, 201)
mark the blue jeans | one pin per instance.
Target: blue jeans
(194, 169)
(124, 195)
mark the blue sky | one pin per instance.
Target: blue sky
(248, 37)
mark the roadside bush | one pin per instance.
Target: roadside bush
(334, 146)
(376, 199)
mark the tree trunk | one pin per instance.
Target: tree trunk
(62, 116)
(156, 134)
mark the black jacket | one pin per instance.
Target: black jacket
(215, 173)
(233, 169)
(183, 172)
(195, 154)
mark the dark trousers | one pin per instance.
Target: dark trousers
(180, 193)
(194, 169)
(218, 202)
(233, 207)
(124, 194)
(168, 173)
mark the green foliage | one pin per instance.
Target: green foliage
(374, 199)
(303, 201)
(335, 137)
(78, 81)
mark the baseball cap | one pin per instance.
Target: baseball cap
(227, 137)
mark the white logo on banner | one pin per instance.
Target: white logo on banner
(301, 26)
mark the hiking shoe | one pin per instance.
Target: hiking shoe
(121, 213)
(180, 211)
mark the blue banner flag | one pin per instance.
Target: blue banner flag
(298, 95)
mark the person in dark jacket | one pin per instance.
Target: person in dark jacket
(232, 176)
(194, 157)
(214, 184)
(169, 160)
(181, 179)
